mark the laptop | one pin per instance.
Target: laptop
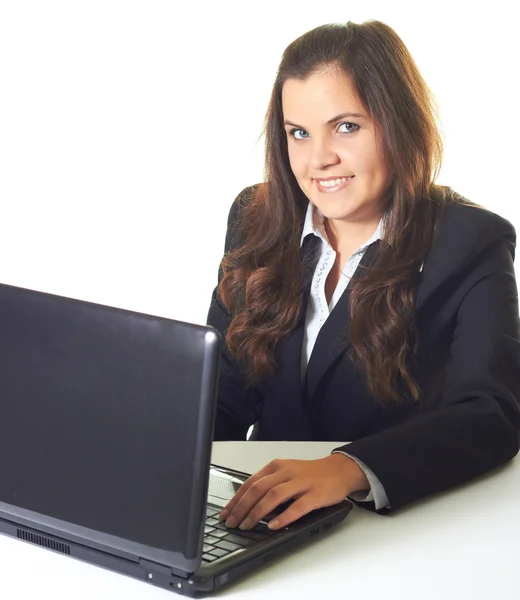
(107, 420)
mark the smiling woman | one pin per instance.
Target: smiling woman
(359, 300)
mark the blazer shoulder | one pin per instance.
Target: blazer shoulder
(467, 229)
(475, 223)
(466, 235)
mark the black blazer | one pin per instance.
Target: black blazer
(468, 369)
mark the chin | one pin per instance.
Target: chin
(341, 211)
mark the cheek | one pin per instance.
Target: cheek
(297, 163)
(363, 155)
(356, 157)
(369, 164)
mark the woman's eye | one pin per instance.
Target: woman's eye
(354, 127)
(297, 134)
(301, 134)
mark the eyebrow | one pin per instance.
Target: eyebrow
(336, 118)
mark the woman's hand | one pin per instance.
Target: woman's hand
(312, 483)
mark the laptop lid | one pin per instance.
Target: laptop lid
(106, 425)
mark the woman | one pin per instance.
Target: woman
(359, 300)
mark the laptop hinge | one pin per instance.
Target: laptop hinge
(163, 569)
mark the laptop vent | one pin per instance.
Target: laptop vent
(41, 540)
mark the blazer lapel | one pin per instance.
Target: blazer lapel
(289, 350)
(333, 339)
(287, 377)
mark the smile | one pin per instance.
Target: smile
(333, 185)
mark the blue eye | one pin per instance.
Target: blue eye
(296, 133)
(293, 132)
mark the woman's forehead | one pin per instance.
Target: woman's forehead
(322, 96)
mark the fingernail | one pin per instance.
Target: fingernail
(273, 524)
(246, 524)
(231, 522)
(223, 515)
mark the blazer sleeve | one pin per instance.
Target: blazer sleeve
(238, 407)
(476, 426)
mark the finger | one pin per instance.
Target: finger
(229, 507)
(274, 497)
(238, 494)
(253, 495)
(304, 505)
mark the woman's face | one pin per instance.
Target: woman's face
(330, 137)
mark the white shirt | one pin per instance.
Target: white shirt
(318, 310)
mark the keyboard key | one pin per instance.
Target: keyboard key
(208, 529)
(211, 512)
(219, 532)
(218, 552)
(206, 547)
(208, 558)
(227, 545)
(212, 522)
(209, 539)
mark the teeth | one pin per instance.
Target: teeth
(334, 182)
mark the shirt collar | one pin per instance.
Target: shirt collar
(314, 223)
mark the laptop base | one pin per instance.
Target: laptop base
(207, 579)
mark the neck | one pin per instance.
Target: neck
(343, 234)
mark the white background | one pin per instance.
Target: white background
(127, 128)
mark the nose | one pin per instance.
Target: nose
(322, 154)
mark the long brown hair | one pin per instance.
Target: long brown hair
(263, 282)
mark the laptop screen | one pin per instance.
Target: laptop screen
(99, 413)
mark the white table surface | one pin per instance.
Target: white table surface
(461, 544)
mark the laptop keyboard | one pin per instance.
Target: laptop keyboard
(220, 541)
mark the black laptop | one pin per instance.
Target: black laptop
(106, 426)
